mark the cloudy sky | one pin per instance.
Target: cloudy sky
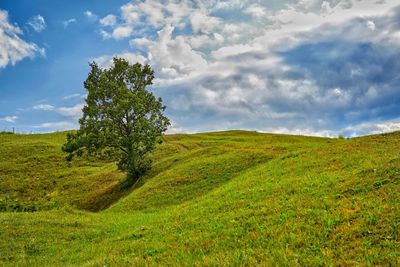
(312, 67)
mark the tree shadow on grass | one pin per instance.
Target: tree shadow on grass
(103, 199)
(184, 176)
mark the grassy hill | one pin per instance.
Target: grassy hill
(214, 199)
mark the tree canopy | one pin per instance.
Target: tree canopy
(121, 117)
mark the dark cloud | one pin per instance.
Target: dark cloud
(359, 60)
(341, 78)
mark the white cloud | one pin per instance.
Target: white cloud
(372, 128)
(295, 19)
(300, 131)
(371, 25)
(105, 34)
(72, 96)
(175, 128)
(12, 47)
(118, 33)
(73, 112)
(37, 23)
(153, 11)
(256, 10)
(232, 50)
(46, 107)
(218, 37)
(66, 23)
(122, 32)
(173, 56)
(148, 14)
(349, 131)
(141, 42)
(58, 126)
(10, 119)
(109, 20)
(130, 13)
(106, 61)
(90, 15)
(205, 41)
(230, 67)
(202, 23)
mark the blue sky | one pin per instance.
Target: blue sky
(309, 67)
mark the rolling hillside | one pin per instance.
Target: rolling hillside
(215, 199)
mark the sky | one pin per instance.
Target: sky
(309, 67)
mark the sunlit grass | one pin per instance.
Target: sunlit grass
(228, 198)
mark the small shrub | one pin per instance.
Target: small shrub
(6, 132)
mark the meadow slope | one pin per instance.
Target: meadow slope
(216, 199)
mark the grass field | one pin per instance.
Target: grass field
(215, 199)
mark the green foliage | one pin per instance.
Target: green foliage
(213, 199)
(121, 117)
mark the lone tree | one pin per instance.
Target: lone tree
(121, 117)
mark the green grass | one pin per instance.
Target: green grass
(215, 199)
